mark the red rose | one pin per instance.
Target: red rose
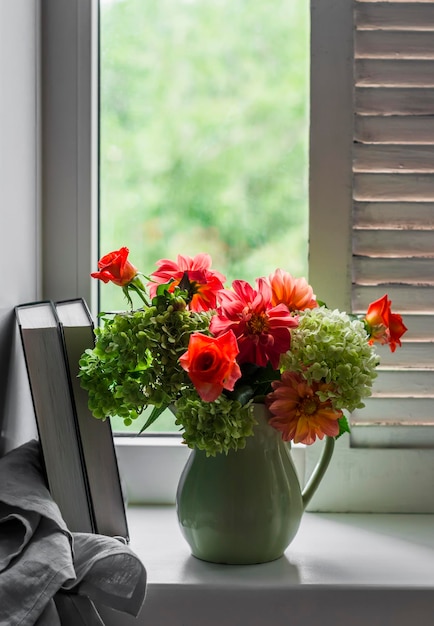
(211, 364)
(384, 326)
(116, 268)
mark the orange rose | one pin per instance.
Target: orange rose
(116, 268)
(211, 364)
(382, 325)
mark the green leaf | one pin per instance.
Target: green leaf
(242, 394)
(161, 289)
(258, 379)
(344, 427)
(155, 414)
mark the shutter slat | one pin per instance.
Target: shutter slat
(394, 187)
(405, 215)
(394, 44)
(416, 2)
(366, 435)
(420, 327)
(400, 158)
(394, 100)
(373, 271)
(393, 15)
(399, 384)
(393, 243)
(405, 299)
(402, 73)
(394, 129)
(392, 410)
(411, 355)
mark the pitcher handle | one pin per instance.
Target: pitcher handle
(319, 471)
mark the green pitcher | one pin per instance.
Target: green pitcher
(245, 507)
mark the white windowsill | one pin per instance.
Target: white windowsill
(357, 480)
(358, 569)
(150, 467)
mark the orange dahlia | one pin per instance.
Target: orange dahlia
(298, 412)
(296, 293)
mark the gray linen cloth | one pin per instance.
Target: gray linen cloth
(48, 575)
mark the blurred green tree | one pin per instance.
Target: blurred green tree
(204, 133)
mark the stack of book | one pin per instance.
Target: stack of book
(78, 450)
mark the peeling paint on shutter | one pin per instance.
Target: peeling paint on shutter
(393, 210)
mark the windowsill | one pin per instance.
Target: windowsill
(376, 568)
(150, 467)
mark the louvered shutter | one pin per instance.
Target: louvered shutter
(393, 210)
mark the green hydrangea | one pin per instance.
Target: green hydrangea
(135, 362)
(215, 427)
(330, 346)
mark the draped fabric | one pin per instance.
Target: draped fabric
(48, 575)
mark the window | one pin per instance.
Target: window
(203, 138)
(359, 479)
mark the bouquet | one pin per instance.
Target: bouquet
(209, 352)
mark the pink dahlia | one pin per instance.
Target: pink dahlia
(204, 283)
(262, 330)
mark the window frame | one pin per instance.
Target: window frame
(358, 479)
(69, 147)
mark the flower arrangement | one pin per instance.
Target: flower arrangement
(208, 352)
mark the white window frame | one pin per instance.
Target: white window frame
(358, 479)
(69, 147)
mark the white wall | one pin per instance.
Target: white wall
(19, 191)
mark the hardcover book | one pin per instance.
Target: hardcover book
(78, 450)
(96, 436)
(57, 429)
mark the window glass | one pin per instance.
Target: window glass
(204, 134)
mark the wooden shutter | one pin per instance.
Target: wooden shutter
(393, 210)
